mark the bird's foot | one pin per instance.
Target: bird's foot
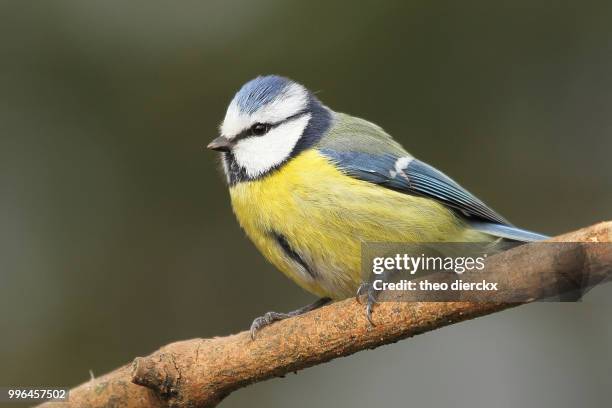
(272, 317)
(371, 295)
(266, 320)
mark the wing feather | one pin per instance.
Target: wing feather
(411, 176)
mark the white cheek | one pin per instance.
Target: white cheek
(259, 154)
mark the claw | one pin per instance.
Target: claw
(257, 324)
(365, 287)
(360, 291)
(370, 306)
(369, 313)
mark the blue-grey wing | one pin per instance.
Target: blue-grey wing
(411, 176)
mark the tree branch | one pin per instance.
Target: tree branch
(201, 372)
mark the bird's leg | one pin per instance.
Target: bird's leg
(371, 296)
(272, 317)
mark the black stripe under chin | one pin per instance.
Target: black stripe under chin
(284, 244)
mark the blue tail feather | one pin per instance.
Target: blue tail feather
(506, 231)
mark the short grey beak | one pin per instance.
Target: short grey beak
(220, 144)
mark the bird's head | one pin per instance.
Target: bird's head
(270, 120)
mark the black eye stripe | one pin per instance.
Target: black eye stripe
(249, 132)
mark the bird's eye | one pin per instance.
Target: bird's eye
(260, 129)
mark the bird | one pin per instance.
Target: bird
(309, 185)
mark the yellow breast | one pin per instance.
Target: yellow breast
(324, 216)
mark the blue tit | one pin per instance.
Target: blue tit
(309, 185)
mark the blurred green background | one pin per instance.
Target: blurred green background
(116, 232)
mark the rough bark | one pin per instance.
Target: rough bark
(201, 372)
